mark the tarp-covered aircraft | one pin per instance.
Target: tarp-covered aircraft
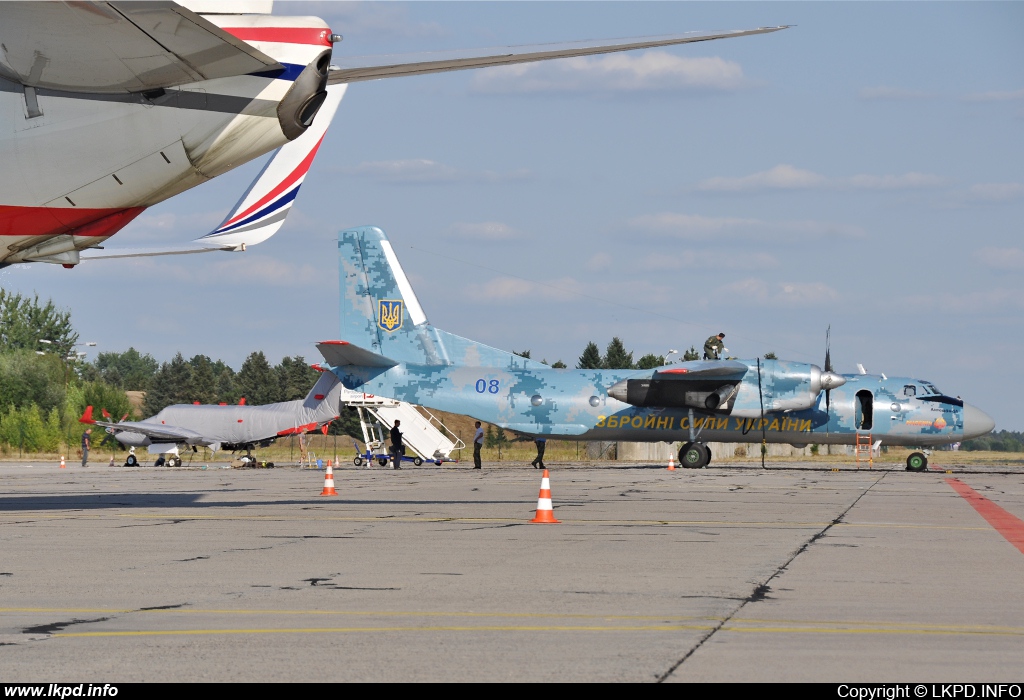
(225, 427)
(112, 107)
(390, 349)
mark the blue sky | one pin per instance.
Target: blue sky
(863, 169)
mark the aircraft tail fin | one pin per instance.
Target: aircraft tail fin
(382, 318)
(87, 416)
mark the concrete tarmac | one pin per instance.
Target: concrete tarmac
(731, 573)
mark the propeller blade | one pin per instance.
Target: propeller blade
(828, 368)
(828, 349)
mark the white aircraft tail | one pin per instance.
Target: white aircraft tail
(262, 210)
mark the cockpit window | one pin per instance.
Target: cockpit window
(931, 389)
(910, 390)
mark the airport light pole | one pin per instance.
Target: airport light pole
(667, 354)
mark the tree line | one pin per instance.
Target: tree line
(45, 385)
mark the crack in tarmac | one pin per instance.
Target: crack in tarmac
(762, 590)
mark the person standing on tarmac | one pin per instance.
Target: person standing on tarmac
(478, 443)
(714, 348)
(397, 448)
(538, 461)
(86, 444)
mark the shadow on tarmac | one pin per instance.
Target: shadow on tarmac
(13, 504)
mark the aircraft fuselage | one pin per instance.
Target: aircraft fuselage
(575, 404)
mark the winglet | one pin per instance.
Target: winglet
(263, 208)
(87, 416)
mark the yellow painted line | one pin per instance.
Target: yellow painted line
(576, 521)
(545, 628)
(737, 624)
(370, 613)
(342, 630)
(876, 623)
(876, 630)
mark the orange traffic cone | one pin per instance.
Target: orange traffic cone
(329, 463)
(671, 462)
(62, 462)
(329, 483)
(545, 514)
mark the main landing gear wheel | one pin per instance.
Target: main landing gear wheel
(417, 461)
(131, 461)
(358, 461)
(694, 455)
(917, 462)
(383, 462)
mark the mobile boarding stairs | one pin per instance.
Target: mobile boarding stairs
(422, 432)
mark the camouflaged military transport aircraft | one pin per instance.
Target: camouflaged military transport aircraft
(391, 350)
(112, 107)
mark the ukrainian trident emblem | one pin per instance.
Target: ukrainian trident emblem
(390, 316)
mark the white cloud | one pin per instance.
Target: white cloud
(983, 302)
(884, 92)
(599, 262)
(620, 72)
(788, 177)
(1001, 258)
(892, 182)
(167, 227)
(705, 259)
(781, 177)
(996, 96)
(506, 288)
(484, 231)
(424, 171)
(995, 192)
(247, 267)
(781, 293)
(707, 228)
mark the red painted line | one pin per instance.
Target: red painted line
(1005, 523)
(50, 221)
(282, 35)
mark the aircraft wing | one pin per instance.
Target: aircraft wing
(352, 69)
(263, 208)
(114, 47)
(700, 370)
(154, 431)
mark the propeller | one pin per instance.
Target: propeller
(828, 366)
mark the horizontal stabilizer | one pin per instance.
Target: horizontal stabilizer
(338, 353)
(357, 68)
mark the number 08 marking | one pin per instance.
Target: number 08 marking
(486, 387)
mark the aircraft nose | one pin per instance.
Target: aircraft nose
(976, 422)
